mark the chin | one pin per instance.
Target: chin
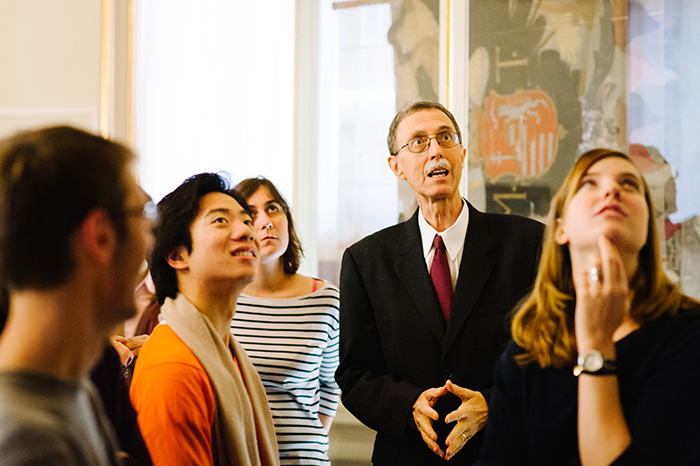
(247, 279)
(617, 234)
(440, 195)
(622, 241)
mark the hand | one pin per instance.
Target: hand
(601, 304)
(424, 415)
(471, 417)
(135, 343)
(125, 355)
(326, 421)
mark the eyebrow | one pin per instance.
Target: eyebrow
(227, 211)
(621, 174)
(422, 132)
(217, 210)
(267, 204)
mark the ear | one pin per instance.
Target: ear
(560, 235)
(395, 166)
(464, 153)
(178, 258)
(98, 237)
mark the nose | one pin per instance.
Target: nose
(262, 222)
(434, 149)
(613, 189)
(243, 232)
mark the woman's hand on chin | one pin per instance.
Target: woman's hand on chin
(602, 298)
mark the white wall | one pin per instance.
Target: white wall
(51, 56)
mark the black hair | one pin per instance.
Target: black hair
(176, 212)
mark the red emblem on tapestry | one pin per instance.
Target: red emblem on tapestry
(518, 133)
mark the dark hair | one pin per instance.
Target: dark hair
(416, 107)
(176, 212)
(50, 179)
(292, 256)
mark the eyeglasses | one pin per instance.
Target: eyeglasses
(419, 144)
(149, 210)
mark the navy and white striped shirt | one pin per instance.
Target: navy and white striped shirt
(293, 344)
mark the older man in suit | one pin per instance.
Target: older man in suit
(424, 303)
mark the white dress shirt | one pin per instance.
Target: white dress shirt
(453, 238)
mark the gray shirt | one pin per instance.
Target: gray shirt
(50, 421)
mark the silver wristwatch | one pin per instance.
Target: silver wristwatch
(592, 362)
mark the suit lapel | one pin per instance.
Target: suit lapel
(413, 273)
(474, 272)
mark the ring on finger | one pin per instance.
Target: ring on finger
(594, 274)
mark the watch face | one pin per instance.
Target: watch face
(593, 361)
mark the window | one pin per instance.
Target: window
(208, 101)
(357, 192)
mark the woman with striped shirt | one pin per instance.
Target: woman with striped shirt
(288, 324)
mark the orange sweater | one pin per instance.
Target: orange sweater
(174, 401)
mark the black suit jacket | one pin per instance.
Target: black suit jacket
(395, 343)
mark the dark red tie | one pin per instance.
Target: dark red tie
(440, 274)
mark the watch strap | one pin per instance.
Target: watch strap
(609, 368)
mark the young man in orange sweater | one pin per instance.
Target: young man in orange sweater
(199, 399)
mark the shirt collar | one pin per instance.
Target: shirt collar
(453, 237)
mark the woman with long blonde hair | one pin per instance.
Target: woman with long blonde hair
(604, 367)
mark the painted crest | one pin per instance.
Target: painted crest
(518, 134)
